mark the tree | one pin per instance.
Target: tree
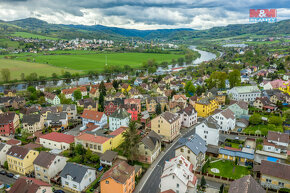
(115, 84)
(221, 188)
(77, 94)
(31, 89)
(131, 140)
(5, 72)
(202, 182)
(5, 165)
(255, 119)
(275, 120)
(158, 109)
(235, 78)
(54, 75)
(101, 102)
(102, 88)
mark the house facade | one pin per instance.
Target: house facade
(51, 98)
(33, 122)
(206, 106)
(120, 118)
(208, 130)
(188, 116)
(239, 108)
(56, 140)
(3, 151)
(244, 93)
(9, 122)
(95, 117)
(226, 119)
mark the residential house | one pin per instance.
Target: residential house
(122, 77)
(193, 100)
(245, 156)
(10, 93)
(70, 110)
(149, 148)
(56, 140)
(68, 93)
(111, 106)
(45, 110)
(272, 147)
(264, 103)
(225, 118)
(33, 122)
(48, 165)
(134, 93)
(188, 116)
(193, 149)
(208, 130)
(57, 121)
(120, 118)
(239, 108)
(95, 117)
(4, 148)
(167, 125)
(167, 79)
(108, 158)
(278, 138)
(245, 93)
(118, 179)
(119, 95)
(246, 184)
(20, 160)
(178, 176)
(152, 102)
(125, 87)
(15, 102)
(99, 142)
(138, 81)
(179, 98)
(94, 93)
(88, 104)
(133, 103)
(280, 97)
(206, 106)
(274, 175)
(30, 185)
(285, 87)
(51, 98)
(174, 107)
(9, 122)
(76, 177)
(274, 84)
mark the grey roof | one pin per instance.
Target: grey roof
(76, 171)
(151, 140)
(55, 117)
(71, 106)
(2, 145)
(205, 100)
(31, 119)
(109, 156)
(195, 143)
(210, 122)
(120, 114)
(44, 159)
(170, 117)
(188, 110)
(246, 184)
(212, 149)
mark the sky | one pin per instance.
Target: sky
(141, 14)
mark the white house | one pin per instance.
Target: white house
(188, 116)
(245, 93)
(178, 176)
(76, 177)
(47, 165)
(71, 110)
(97, 118)
(51, 98)
(278, 138)
(57, 119)
(120, 118)
(3, 151)
(239, 108)
(193, 149)
(208, 130)
(226, 119)
(56, 140)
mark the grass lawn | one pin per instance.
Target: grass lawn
(228, 169)
(262, 129)
(97, 61)
(234, 145)
(30, 35)
(17, 67)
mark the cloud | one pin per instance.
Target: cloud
(140, 14)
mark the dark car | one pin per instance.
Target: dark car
(59, 191)
(10, 175)
(3, 172)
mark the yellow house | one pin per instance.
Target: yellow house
(285, 87)
(125, 87)
(20, 160)
(10, 93)
(206, 106)
(100, 143)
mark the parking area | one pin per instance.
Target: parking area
(250, 143)
(6, 180)
(75, 131)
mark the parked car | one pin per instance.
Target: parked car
(16, 177)
(3, 172)
(10, 175)
(59, 191)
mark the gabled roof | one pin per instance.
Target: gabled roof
(27, 185)
(246, 89)
(277, 136)
(246, 184)
(5, 118)
(44, 159)
(76, 171)
(228, 114)
(210, 122)
(195, 143)
(56, 117)
(92, 138)
(176, 97)
(58, 137)
(18, 152)
(92, 115)
(151, 140)
(279, 170)
(49, 95)
(31, 119)
(170, 117)
(188, 110)
(120, 114)
(120, 172)
(109, 156)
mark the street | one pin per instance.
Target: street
(6, 180)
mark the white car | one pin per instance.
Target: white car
(16, 177)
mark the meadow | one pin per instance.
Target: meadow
(96, 61)
(31, 35)
(17, 67)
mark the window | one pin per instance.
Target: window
(173, 177)
(281, 184)
(268, 180)
(188, 151)
(107, 182)
(177, 185)
(66, 183)
(181, 150)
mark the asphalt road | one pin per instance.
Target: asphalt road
(6, 180)
(152, 184)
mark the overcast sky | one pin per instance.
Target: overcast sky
(141, 14)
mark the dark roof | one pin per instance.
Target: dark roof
(18, 152)
(227, 113)
(277, 136)
(76, 171)
(205, 100)
(246, 184)
(170, 117)
(188, 110)
(120, 114)
(109, 156)
(51, 96)
(31, 119)
(52, 109)
(65, 107)
(6, 118)
(151, 140)
(2, 145)
(210, 122)
(274, 169)
(195, 143)
(56, 117)
(27, 185)
(245, 121)
(44, 159)
(212, 149)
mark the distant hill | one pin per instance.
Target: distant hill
(36, 26)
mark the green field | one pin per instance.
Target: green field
(18, 67)
(86, 61)
(30, 35)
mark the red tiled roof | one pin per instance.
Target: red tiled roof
(231, 148)
(71, 90)
(118, 131)
(176, 97)
(92, 138)
(93, 90)
(59, 137)
(121, 172)
(92, 115)
(24, 185)
(13, 142)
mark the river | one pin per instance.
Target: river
(204, 56)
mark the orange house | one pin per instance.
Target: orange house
(119, 179)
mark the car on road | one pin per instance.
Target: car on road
(58, 191)
(3, 172)
(16, 177)
(10, 175)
